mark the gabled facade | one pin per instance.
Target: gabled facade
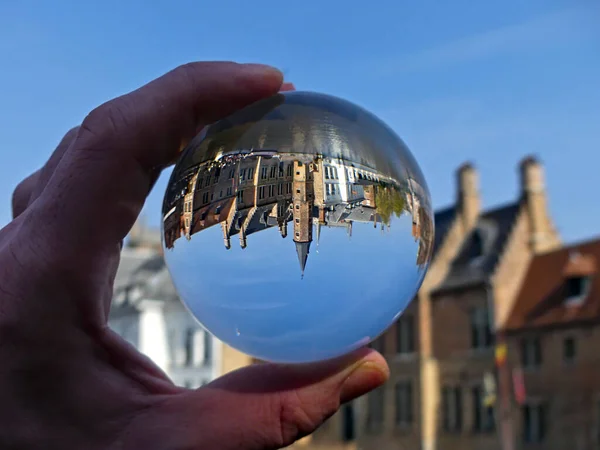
(473, 302)
(552, 365)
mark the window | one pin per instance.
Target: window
(405, 335)
(243, 174)
(348, 433)
(271, 190)
(289, 170)
(273, 171)
(598, 423)
(569, 350)
(483, 415)
(452, 409)
(250, 173)
(404, 403)
(375, 409)
(207, 356)
(264, 173)
(576, 290)
(481, 332)
(229, 191)
(531, 353)
(189, 347)
(240, 195)
(534, 423)
(261, 192)
(477, 249)
(231, 173)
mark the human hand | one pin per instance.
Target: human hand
(66, 380)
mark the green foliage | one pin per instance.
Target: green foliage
(389, 201)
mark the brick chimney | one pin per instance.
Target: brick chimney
(469, 203)
(543, 237)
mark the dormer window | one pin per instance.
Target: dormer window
(576, 289)
(477, 245)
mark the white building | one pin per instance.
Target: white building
(147, 312)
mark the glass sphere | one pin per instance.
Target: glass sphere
(297, 229)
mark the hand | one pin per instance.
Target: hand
(66, 380)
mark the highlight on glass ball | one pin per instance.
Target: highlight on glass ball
(298, 229)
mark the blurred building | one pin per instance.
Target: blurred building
(445, 390)
(552, 364)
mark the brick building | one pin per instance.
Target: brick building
(552, 336)
(442, 390)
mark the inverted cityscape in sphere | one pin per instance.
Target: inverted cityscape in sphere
(298, 229)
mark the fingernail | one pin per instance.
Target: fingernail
(261, 69)
(364, 378)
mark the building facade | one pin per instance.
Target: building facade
(552, 364)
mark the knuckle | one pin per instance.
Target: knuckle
(106, 120)
(188, 74)
(22, 193)
(301, 414)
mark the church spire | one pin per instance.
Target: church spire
(302, 249)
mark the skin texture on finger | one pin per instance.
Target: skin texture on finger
(32, 186)
(266, 406)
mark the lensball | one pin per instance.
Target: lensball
(297, 229)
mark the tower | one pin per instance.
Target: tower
(302, 200)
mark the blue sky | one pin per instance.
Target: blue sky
(328, 312)
(482, 81)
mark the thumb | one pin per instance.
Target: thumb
(266, 406)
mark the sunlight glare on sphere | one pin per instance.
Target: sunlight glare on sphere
(297, 229)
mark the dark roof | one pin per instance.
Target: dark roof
(481, 249)
(541, 301)
(443, 219)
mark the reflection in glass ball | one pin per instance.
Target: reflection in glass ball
(298, 229)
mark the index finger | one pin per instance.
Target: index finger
(100, 184)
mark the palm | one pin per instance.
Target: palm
(66, 379)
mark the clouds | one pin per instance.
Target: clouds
(545, 31)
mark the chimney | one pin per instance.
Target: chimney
(469, 203)
(533, 196)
